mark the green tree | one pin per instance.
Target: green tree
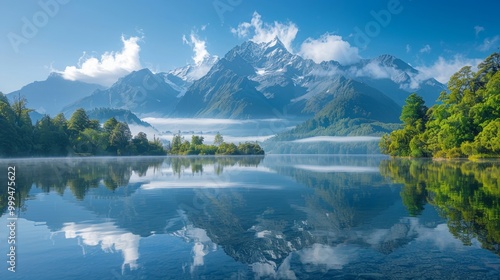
(141, 143)
(91, 141)
(110, 124)
(489, 139)
(156, 147)
(120, 138)
(50, 139)
(23, 125)
(218, 139)
(227, 149)
(176, 143)
(249, 148)
(486, 69)
(414, 110)
(8, 136)
(79, 121)
(408, 141)
(197, 140)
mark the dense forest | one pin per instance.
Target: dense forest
(58, 136)
(464, 122)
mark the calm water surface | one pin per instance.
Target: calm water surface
(273, 217)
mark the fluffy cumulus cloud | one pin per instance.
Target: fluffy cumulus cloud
(109, 67)
(443, 68)
(329, 47)
(261, 32)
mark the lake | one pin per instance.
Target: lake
(272, 217)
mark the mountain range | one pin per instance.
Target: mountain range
(49, 96)
(253, 80)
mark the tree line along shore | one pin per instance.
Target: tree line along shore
(465, 121)
(82, 136)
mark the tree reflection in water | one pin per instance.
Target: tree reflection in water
(79, 175)
(466, 193)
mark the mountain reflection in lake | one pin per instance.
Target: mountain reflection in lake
(290, 217)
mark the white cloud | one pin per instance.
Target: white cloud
(375, 70)
(265, 32)
(478, 29)
(425, 49)
(408, 48)
(490, 43)
(268, 269)
(201, 56)
(329, 47)
(328, 256)
(443, 69)
(199, 48)
(110, 237)
(202, 244)
(109, 68)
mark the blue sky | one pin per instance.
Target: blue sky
(98, 41)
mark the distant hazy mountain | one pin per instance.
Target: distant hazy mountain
(395, 78)
(121, 115)
(51, 95)
(141, 92)
(350, 108)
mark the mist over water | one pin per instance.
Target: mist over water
(338, 139)
(233, 130)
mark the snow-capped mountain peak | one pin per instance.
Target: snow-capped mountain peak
(193, 72)
(181, 78)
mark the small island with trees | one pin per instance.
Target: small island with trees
(180, 146)
(464, 123)
(82, 136)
